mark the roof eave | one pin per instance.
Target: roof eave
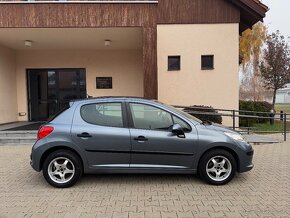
(252, 11)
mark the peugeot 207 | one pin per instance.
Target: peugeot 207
(134, 135)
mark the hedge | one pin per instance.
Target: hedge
(217, 118)
(254, 106)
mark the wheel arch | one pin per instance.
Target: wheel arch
(222, 147)
(56, 148)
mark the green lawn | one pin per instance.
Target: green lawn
(282, 107)
(278, 126)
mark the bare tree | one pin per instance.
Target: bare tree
(252, 88)
(275, 66)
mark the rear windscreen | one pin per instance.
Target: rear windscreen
(52, 117)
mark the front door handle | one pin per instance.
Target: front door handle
(141, 139)
(84, 135)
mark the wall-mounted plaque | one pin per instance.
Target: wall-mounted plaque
(104, 82)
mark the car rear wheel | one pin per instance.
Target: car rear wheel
(217, 167)
(62, 169)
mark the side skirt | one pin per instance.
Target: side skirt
(107, 170)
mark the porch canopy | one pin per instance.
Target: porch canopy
(72, 38)
(47, 67)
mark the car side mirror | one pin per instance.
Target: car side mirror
(178, 130)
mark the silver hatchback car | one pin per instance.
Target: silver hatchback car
(135, 135)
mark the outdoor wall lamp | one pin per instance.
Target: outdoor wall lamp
(28, 43)
(108, 43)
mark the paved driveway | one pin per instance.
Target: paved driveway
(263, 192)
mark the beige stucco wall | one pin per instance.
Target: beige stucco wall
(125, 66)
(8, 95)
(191, 85)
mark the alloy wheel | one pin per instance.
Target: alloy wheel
(61, 170)
(218, 168)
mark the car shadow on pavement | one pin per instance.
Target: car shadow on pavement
(137, 179)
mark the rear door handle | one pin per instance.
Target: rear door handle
(141, 139)
(84, 135)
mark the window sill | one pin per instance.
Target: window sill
(173, 70)
(207, 68)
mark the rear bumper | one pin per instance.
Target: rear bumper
(35, 158)
(33, 165)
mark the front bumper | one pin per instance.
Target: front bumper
(246, 161)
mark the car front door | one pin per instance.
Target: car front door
(101, 130)
(153, 143)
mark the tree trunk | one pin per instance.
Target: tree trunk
(274, 98)
(255, 78)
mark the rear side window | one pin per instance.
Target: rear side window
(103, 114)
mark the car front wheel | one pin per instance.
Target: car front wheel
(62, 169)
(217, 167)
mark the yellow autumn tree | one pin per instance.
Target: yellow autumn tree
(251, 43)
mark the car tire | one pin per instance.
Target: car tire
(62, 168)
(217, 167)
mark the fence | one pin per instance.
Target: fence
(236, 114)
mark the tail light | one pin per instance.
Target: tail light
(44, 131)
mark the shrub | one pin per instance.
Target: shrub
(254, 106)
(217, 118)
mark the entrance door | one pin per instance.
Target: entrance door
(50, 90)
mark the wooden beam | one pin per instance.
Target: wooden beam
(150, 62)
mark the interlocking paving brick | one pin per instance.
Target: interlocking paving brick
(136, 215)
(153, 214)
(262, 192)
(184, 214)
(168, 214)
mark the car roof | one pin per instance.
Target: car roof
(114, 98)
(103, 99)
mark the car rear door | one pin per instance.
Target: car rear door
(101, 130)
(154, 146)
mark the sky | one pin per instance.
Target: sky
(278, 17)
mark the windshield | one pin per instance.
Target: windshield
(182, 112)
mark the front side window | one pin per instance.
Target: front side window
(148, 117)
(103, 114)
(153, 118)
(182, 123)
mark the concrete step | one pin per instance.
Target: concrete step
(16, 140)
(17, 137)
(18, 133)
(262, 139)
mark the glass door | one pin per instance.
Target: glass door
(51, 90)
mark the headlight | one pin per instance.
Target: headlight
(235, 136)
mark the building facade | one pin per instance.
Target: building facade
(283, 95)
(183, 52)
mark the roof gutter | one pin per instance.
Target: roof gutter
(81, 2)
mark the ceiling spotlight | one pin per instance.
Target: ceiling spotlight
(28, 43)
(108, 43)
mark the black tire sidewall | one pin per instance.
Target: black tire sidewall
(73, 158)
(207, 156)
